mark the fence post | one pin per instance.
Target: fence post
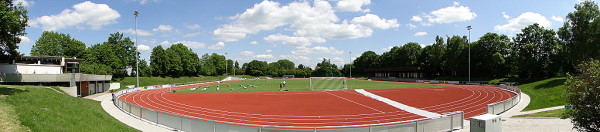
(417, 126)
(451, 122)
(214, 127)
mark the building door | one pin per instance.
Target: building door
(84, 88)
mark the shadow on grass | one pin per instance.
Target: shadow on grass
(10, 91)
(551, 84)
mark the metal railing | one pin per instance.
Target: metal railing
(446, 122)
(502, 106)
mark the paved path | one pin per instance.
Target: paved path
(517, 124)
(539, 110)
(110, 108)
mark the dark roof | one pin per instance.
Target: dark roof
(395, 69)
(47, 58)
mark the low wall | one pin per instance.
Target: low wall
(71, 91)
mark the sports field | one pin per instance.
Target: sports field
(302, 108)
(272, 85)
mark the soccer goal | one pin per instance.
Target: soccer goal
(328, 83)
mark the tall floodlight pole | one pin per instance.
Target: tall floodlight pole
(234, 67)
(468, 42)
(137, 58)
(226, 63)
(350, 64)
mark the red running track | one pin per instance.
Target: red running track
(319, 108)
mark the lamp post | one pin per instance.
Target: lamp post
(226, 63)
(468, 43)
(137, 58)
(350, 63)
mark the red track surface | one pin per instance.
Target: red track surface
(319, 108)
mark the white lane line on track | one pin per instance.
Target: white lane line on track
(354, 102)
(399, 105)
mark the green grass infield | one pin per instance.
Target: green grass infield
(297, 85)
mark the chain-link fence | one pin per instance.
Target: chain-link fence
(446, 122)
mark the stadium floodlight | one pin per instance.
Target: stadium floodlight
(468, 43)
(350, 64)
(226, 63)
(137, 58)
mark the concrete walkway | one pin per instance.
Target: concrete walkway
(538, 110)
(110, 108)
(517, 124)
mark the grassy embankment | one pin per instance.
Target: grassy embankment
(32, 108)
(298, 85)
(551, 113)
(545, 93)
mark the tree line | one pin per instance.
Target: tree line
(535, 52)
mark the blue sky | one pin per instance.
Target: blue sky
(301, 31)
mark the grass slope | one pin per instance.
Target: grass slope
(298, 85)
(41, 109)
(545, 93)
(148, 81)
(551, 113)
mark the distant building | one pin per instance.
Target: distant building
(53, 71)
(397, 73)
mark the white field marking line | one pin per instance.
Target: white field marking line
(236, 118)
(484, 102)
(399, 105)
(502, 95)
(355, 102)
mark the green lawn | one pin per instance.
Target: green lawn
(40, 109)
(551, 113)
(545, 93)
(298, 85)
(148, 81)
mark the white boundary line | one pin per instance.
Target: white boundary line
(399, 105)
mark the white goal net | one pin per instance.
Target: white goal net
(328, 83)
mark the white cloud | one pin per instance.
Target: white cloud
(83, 16)
(193, 26)
(352, 5)
(411, 26)
(143, 48)
(557, 18)
(416, 18)
(522, 21)
(455, 13)
(145, 1)
(426, 24)
(189, 44)
(253, 43)
(163, 28)
(219, 45)
(505, 15)
(317, 50)
(293, 41)
(306, 20)
(296, 58)
(373, 21)
(264, 57)
(387, 48)
(139, 31)
(25, 3)
(269, 50)
(194, 34)
(247, 53)
(420, 33)
(24, 40)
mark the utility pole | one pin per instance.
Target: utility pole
(137, 56)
